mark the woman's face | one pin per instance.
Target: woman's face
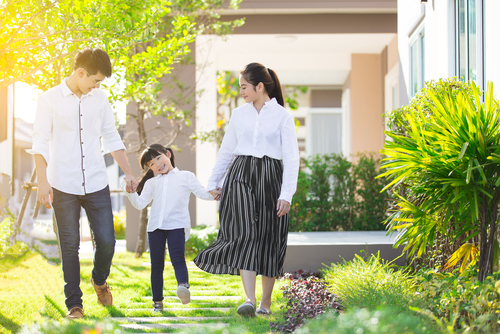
(248, 91)
(160, 164)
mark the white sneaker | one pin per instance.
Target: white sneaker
(183, 294)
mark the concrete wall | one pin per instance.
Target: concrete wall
(184, 160)
(367, 103)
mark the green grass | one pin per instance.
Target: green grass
(31, 289)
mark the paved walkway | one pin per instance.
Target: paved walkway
(175, 313)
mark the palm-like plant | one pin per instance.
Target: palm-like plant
(449, 160)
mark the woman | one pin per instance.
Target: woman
(260, 145)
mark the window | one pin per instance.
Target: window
(469, 40)
(324, 131)
(417, 62)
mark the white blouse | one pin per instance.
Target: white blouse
(170, 194)
(270, 132)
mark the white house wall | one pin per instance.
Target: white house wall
(492, 45)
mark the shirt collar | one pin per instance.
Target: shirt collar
(66, 91)
(175, 170)
(271, 102)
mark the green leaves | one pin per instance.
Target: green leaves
(444, 150)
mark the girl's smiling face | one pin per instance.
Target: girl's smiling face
(161, 164)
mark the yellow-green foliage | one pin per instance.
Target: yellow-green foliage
(475, 304)
(370, 284)
(120, 221)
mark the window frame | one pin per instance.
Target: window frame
(417, 39)
(480, 49)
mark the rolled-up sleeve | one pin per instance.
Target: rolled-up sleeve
(42, 129)
(111, 140)
(291, 159)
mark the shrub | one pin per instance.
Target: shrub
(370, 284)
(365, 321)
(201, 237)
(463, 301)
(7, 248)
(119, 222)
(307, 298)
(334, 194)
(448, 160)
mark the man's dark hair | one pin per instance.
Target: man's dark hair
(93, 61)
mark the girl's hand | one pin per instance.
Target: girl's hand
(216, 193)
(283, 207)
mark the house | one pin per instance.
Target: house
(346, 52)
(447, 38)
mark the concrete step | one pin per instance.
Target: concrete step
(171, 326)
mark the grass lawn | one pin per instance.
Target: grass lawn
(32, 289)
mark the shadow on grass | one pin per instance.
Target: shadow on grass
(9, 324)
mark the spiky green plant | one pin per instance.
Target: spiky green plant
(449, 158)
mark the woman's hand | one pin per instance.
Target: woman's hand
(283, 207)
(216, 193)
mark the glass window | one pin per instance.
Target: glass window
(469, 40)
(417, 63)
(326, 133)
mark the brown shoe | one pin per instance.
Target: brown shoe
(104, 296)
(75, 313)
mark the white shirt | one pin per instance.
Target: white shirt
(270, 132)
(67, 133)
(170, 195)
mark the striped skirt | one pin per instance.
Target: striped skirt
(251, 235)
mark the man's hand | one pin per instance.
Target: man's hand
(131, 183)
(45, 194)
(216, 193)
(283, 207)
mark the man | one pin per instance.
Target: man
(71, 121)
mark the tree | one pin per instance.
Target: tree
(449, 161)
(145, 39)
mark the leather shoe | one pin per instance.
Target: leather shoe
(104, 296)
(75, 313)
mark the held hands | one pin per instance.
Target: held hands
(216, 193)
(283, 207)
(45, 194)
(131, 183)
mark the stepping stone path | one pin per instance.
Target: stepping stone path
(171, 304)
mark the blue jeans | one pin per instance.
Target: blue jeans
(67, 209)
(176, 246)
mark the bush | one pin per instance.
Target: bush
(370, 284)
(201, 237)
(365, 321)
(6, 246)
(334, 194)
(463, 301)
(120, 222)
(307, 298)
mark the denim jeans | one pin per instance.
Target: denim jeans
(67, 209)
(176, 245)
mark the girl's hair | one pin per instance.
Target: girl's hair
(146, 156)
(255, 73)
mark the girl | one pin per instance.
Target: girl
(257, 190)
(169, 221)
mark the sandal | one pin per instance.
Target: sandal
(247, 309)
(263, 311)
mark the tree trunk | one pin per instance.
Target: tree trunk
(489, 217)
(141, 238)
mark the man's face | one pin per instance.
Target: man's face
(87, 82)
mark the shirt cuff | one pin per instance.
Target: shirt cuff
(286, 197)
(44, 153)
(112, 146)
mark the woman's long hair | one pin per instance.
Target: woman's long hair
(255, 73)
(146, 156)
